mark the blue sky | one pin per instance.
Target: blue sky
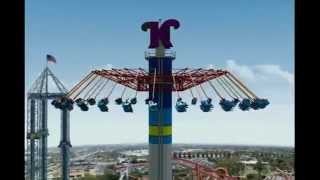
(254, 39)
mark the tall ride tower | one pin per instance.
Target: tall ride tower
(160, 80)
(37, 123)
(160, 118)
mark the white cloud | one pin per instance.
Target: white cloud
(242, 71)
(275, 70)
(264, 72)
(211, 66)
(105, 66)
(100, 66)
(266, 80)
(108, 66)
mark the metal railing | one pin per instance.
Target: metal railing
(168, 53)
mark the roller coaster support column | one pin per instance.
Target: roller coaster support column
(65, 144)
(44, 129)
(160, 130)
(32, 143)
(44, 137)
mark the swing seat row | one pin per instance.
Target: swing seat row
(230, 91)
(63, 103)
(181, 106)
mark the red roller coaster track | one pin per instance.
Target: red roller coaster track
(202, 172)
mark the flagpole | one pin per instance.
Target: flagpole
(47, 78)
(46, 61)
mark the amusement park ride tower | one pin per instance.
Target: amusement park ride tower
(160, 119)
(159, 81)
(37, 123)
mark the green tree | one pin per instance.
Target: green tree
(252, 177)
(134, 160)
(137, 173)
(106, 176)
(260, 168)
(282, 163)
(233, 166)
(110, 177)
(89, 177)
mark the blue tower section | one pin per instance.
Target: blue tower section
(160, 118)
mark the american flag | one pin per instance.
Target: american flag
(51, 59)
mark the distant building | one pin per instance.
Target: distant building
(122, 160)
(76, 174)
(138, 153)
(249, 162)
(192, 150)
(277, 178)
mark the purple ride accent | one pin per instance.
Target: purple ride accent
(161, 33)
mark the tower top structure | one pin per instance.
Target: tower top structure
(160, 33)
(41, 86)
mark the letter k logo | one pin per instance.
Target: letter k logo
(161, 33)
